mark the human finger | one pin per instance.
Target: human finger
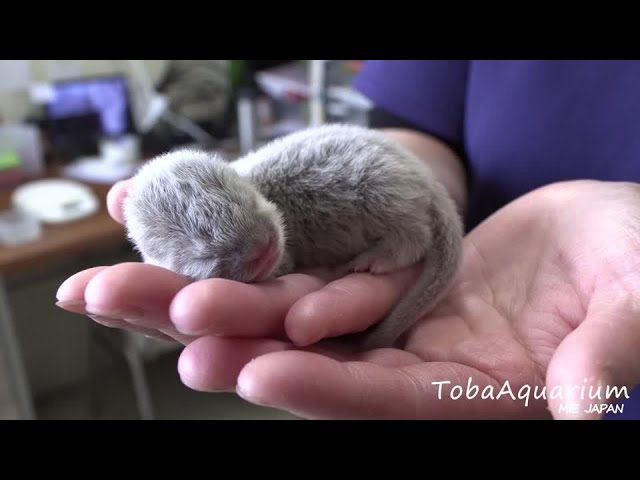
(349, 304)
(316, 386)
(213, 363)
(115, 197)
(223, 307)
(136, 293)
(597, 364)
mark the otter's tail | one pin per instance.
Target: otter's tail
(441, 265)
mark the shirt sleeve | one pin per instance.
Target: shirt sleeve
(429, 94)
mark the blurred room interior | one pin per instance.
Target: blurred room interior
(69, 129)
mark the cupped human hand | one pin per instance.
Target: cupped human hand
(541, 322)
(541, 316)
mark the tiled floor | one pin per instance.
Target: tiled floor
(171, 399)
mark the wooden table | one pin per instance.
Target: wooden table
(70, 238)
(56, 241)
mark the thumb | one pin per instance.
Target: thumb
(595, 367)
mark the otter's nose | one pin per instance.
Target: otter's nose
(261, 260)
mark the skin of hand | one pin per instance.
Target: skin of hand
(547, 295)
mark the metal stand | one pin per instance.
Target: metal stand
(132, 356)
(139, 379)
(247, 124)
(317, 81)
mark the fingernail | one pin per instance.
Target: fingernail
(79, 306)
(131, 314)
(74, 306)
(108, 322)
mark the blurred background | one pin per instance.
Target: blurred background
(69, 129)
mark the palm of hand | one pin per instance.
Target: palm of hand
(537, 303)
(545, 297)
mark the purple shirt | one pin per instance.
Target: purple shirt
(520, 124)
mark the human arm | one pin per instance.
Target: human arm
(446, 164)
(421, 105)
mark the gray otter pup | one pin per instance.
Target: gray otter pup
(332, 196)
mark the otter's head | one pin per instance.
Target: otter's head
(189, 212)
